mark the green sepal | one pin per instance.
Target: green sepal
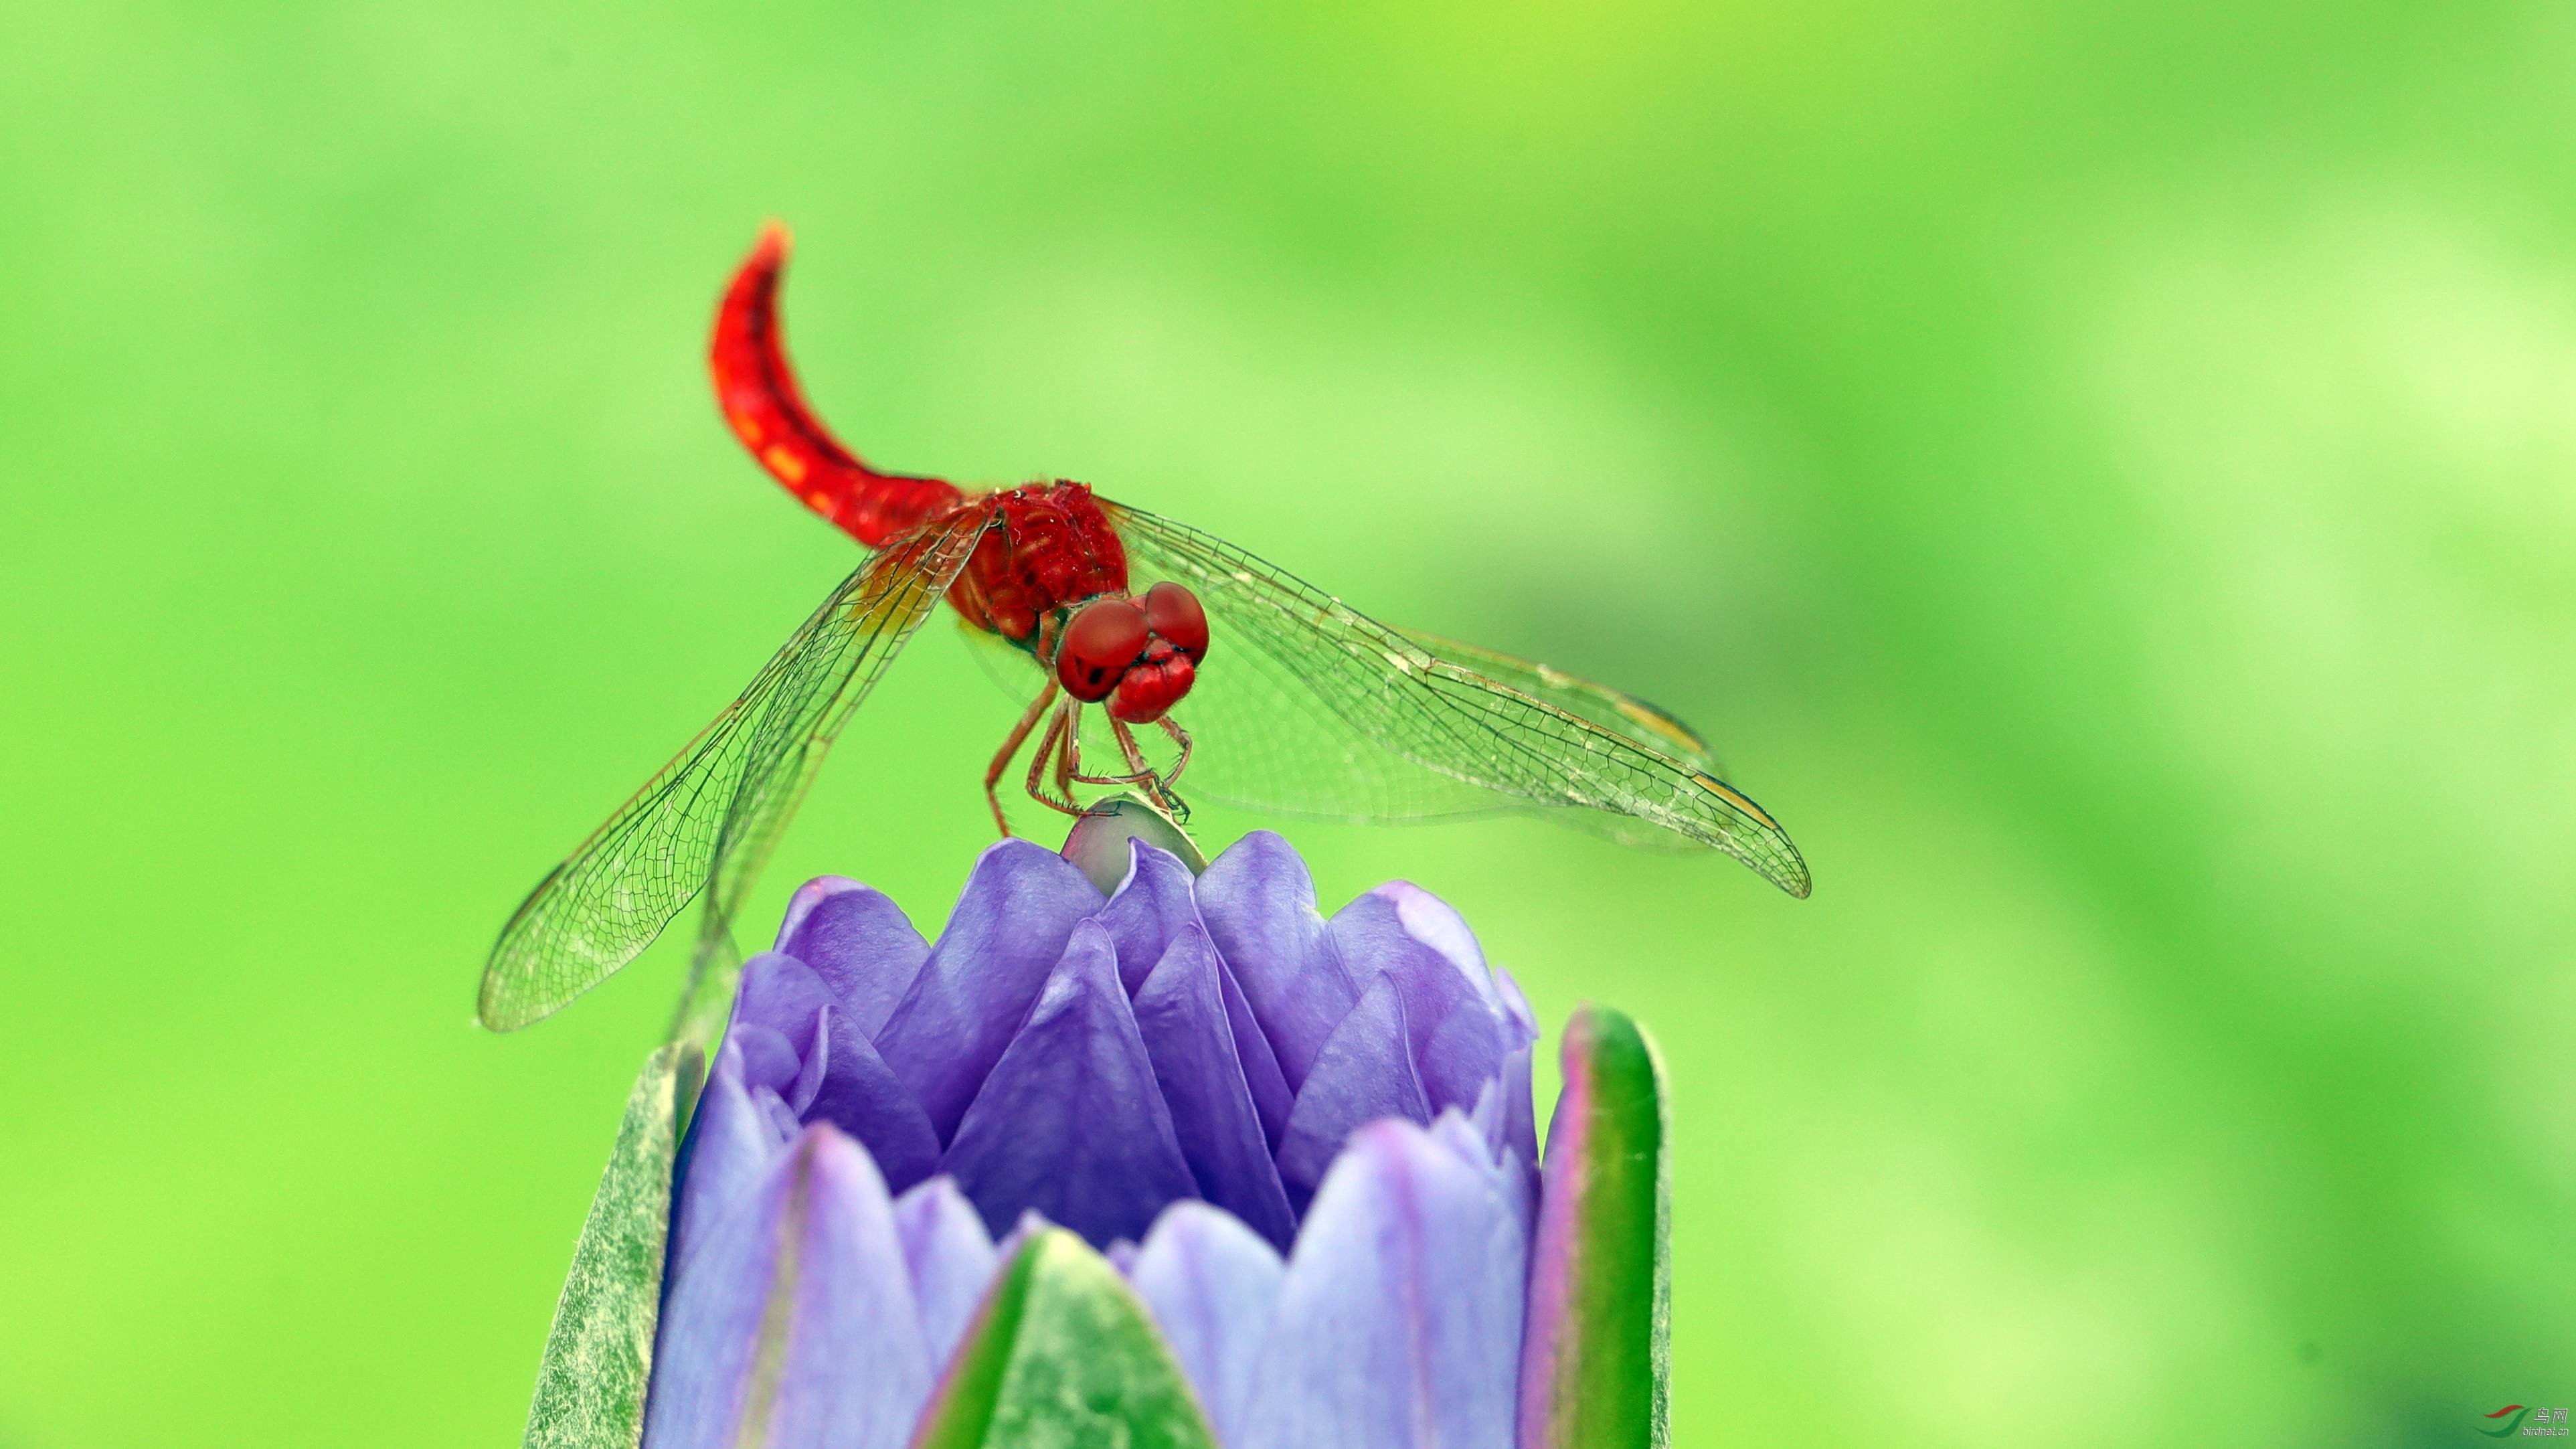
(599, 1354)
(1062, 1356)
(1598, 1365)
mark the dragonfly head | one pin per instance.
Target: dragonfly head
(1141, 655)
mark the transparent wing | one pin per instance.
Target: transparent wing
(1310, 707)
(1650, 725)
(707, 820)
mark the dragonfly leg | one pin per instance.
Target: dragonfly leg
(1011, 747)
(1143, 774)
(1159, 784)
(1068, 758)
(1180, 737)
(1062, 743)
(1050, 749)
(1127, 747)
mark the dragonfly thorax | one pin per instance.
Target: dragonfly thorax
(1051, 577)
(1050, 547)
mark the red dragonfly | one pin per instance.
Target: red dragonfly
(1307, 706)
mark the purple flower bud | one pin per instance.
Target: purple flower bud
(1307, 1143)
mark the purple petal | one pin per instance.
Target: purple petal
(950, 1257)
(1401, 921)
(1007, 933)
(1400, 1316)
(1437, 924)
(782, 993)
(1153, 905)
(1213, 1288)
(1180, 1014)
(1492, 1118)
(1461, 1049)
(1516, 1007)
(1518, 1134)
(731, 1143)
(1261, 1074)
(1363, 1073)
(1452, 1130)
(858, 941)
(1520, 1120)
(781, 1116)
(1259, 906)
(1459, 1028)
(767, 1057)
(781, 1001)
(1069, 1122)
(847, 1367)
(1520, 1188)
(859, 1095)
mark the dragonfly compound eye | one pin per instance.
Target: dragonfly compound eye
(1106, 637)
(1174, 613)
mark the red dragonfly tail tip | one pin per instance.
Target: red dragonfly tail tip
(757, 391)
(769, 251)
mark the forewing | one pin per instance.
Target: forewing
(1308, 706)
(710, 816)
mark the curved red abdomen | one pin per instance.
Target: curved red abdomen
(762, 404)
(1052, 545)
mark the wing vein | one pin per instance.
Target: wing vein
(706, 822)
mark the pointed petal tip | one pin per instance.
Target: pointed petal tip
(833, 1154)
(809, 895)
(936, 1195)
(1011, 848)
(1212, 1285)
(1262, 847)
(1363, 1081)
(1093, 940)
(1390, 1142)
(1070, 1118)
(1400, 1313)
(1006, 934)
(1191, 1219)
(829, 900)
(795, 1312)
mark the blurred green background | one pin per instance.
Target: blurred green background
(2100, 473)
